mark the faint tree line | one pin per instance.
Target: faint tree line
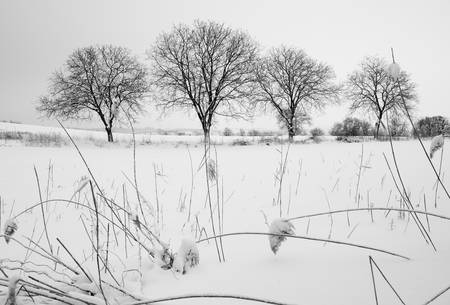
(214, 70)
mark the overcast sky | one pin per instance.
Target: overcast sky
(37, 36)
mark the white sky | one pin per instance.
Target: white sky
(37, 36)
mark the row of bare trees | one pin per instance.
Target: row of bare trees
(216, 71)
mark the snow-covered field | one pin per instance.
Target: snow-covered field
(318, 178)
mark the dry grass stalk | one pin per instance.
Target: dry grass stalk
(206, 157)
(373, 263)
(42, 210)
(404, 195)
(337, 242)
(417, 134)
(309, 216)
(208, 296)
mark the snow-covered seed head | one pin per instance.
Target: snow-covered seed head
(211, 169)
(436, 143)
(164, 257)
(393, 70)
(279, 226)
(187, 256)
(10, 228)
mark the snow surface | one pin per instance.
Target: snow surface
(319, 177)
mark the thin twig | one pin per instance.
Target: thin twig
(426, 215)
(74, 259)
(373, 281)
(97, 234)
(439, 173)
(359, 175)
(369, 209)
(437, 295)
(206, 160)
(134, 164)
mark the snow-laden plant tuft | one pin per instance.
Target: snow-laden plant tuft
(279, 226)
(187, 256)
(10, 228)
(211, 169)
(164, 257)
(436, 143)
(393, 70)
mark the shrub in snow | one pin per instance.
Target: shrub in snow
(436, 143)
(316, 132)
(187, 256)
(10, 228)
(393, 70)
(279, 226)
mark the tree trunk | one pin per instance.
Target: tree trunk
(206, 134)
(377, 131)
(109, 133)
(291, 133)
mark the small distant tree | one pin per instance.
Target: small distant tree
(297, 124)
(398, 127)
(294, 84)
(432, 126)
(351, 127)
(206, 67)
(372, 90)
(316, 132)
(227, 132)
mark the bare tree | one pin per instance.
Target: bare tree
(102, 80)
(371, 89)
(207, 67)
(294, 84)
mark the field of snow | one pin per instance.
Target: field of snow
(317, 178)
